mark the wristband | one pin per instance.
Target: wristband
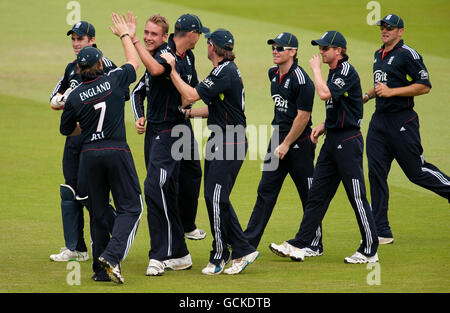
(123, 35)
(368, 96)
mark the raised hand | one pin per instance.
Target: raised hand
(131, 23)
(120, 27)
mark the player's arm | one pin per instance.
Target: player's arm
(58, 101)
(317, 132)
(188, 93)
(319, 83)
(76, 131)
(69, 126)
(152, 65)
(369, 95)
(298, 126)
(121, 30)
(137, 105)
(416, 89)
(202, 112)
(61, 92)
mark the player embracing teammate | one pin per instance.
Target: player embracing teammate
(97, 159)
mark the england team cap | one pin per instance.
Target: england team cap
(88, 56)
(393, 20)
(82, 28)
(284, 40)
(190, 22)
(331, 38)
(221, 38)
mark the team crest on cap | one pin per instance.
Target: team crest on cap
(77, 25)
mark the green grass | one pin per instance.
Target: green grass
(30, 159)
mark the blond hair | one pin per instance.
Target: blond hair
(159, 20)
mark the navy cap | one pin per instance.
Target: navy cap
(88, 56)
(393, 20)
(190, 22)
(222, 38)
(284, 40)
(331, 38)
(82, 28)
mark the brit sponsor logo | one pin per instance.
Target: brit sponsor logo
(380, 76)
(280, 102)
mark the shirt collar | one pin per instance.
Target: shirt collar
(223, 61)
(398, 45)
(344, 59)
(293, 66)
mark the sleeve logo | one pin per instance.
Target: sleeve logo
(339, 82)
(423, 75)
(208, 82)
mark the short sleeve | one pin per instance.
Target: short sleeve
(68, 119)
(124, 75)
(212, 86)
(416, 70)
(342, 81)
(305, 97)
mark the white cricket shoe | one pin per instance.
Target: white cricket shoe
(385, 240)
(286, 249)
(238, 265)
(196, 234)
(112, 271)
(69, 255)
(212, 269)
(359, 258)
(183, 263)
(311, 253)
(155, 268)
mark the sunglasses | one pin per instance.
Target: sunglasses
(281, 49)
(387, 27)
(326, 48)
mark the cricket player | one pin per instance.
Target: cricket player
(341, 155)
(223, 93)
(73, 193)
(95, 108)
(190, 168)
(399, 75)
(161, 187)
(293, 94)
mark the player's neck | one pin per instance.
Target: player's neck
(285, 67)
(216, 60)
(391, 45)
(181, 45)
(335, 62)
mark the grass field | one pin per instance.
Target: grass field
(33, 54)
